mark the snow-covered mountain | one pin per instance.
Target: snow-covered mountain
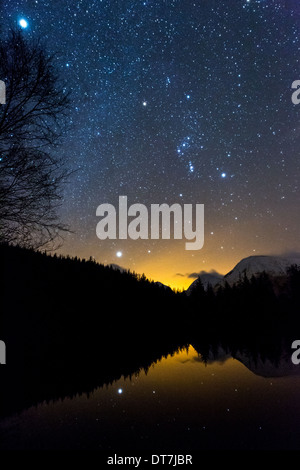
(116, 267)
(160, 284)
(253, 265)
(206, 279)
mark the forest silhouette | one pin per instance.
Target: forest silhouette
(72, 325)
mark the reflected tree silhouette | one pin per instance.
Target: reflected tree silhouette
(72, 325)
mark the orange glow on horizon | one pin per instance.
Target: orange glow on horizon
(168, 262)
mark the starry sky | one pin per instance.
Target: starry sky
(177, 101)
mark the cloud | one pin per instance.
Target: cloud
(212, 272)
(291, 255)
(195, 275)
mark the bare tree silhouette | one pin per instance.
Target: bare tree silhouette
(31, 124)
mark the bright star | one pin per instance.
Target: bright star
(120, 391)
(223, 175)
(144, 103)
(23, 23)
(119, 254)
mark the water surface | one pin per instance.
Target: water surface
(179, 403)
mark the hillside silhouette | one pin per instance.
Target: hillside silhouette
(72, 325)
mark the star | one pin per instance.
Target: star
(147, 119)
(23, 23)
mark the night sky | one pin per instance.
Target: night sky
(177, 101)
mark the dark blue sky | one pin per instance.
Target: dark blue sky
(178, 101)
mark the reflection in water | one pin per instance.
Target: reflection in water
(182, 402)
(259, 365)
(241, 392)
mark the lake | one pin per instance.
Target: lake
(180, 403)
